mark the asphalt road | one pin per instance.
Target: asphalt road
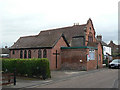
(107, 78)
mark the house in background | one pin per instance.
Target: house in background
(106, 48)
(73, 47)
(4, 52)
(115, 50)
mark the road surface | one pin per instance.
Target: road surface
(107, 78)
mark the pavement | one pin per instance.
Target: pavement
(56, 76)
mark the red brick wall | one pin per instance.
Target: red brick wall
(57, 47)
(117, 57)
(88, 31)
(16, 55)
(71, 59)
(92, 64)
(100, 53)
(34, 53)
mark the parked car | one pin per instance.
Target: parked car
(115, 64)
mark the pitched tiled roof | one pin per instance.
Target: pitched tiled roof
(103, 43)
(111, 44)
(92, 44)
(69, 32)
(49, 37)
(4, 51)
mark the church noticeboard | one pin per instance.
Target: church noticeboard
(88, 57)
(91, 55)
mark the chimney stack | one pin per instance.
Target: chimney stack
(99, 37)
(5, 46)
(75, 24)
(111, 41)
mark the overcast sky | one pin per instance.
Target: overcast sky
(28, 17)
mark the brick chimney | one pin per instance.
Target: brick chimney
(111, 41)
(99, 37)
(5, 46)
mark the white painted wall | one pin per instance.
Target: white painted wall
(106, 50)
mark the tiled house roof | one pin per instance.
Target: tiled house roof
(4, 50)
(103, 43)
(115, 48)
(49, 37)
(111, 44)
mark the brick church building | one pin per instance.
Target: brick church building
(73, 47)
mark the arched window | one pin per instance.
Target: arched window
(99, 57)
(44, 53)
(29, 54)
(25, 54)
(39, 53)
(90, 37)
(13, 52)
(21, 54)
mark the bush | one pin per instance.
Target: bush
(31, 67)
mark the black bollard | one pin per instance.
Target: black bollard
(14, 76)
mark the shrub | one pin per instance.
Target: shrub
(31, 67)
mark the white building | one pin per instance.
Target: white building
(106, 48)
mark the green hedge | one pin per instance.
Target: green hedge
(30, 67)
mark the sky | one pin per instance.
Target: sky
(28, 17)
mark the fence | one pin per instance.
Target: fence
(8, 78)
